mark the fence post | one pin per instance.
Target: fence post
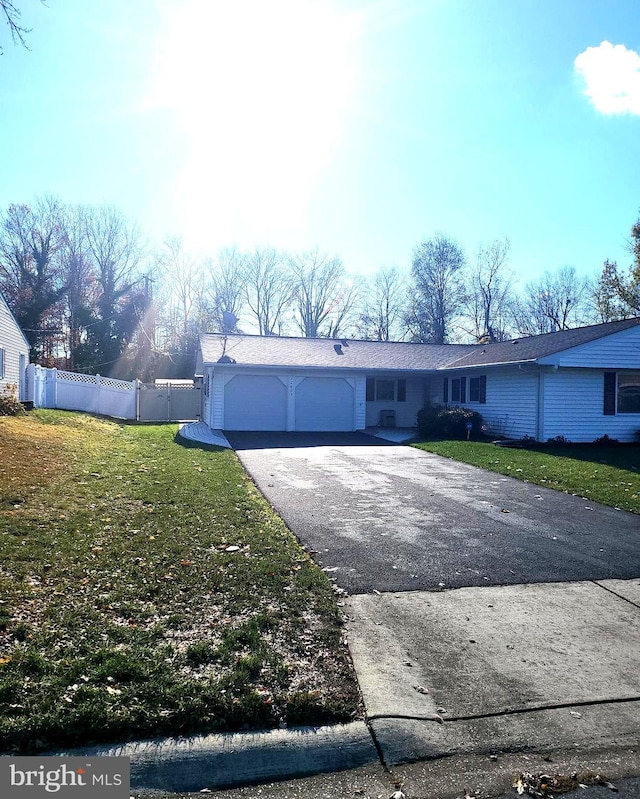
(137, 384)
(30, 379)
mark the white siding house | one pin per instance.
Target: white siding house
(580, 384)
(510, 407)
(14, 352)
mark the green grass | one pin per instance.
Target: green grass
(147, 588)
(607, 474)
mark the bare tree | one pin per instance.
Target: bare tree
(269, 288)
(557, 301)
(343, 317)
(321, 296)
(116, 253)
(438, 289)
(381, 317)
(12, 16)
(31, 277)
(79, 278)
(180, 274)
(489, 296)
(224, 292)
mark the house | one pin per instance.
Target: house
(579, 383)
(14, 352)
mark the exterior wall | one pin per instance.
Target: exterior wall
(13, 343)
(406, 412)
(573, 407)
(511, 408)
(617, 351)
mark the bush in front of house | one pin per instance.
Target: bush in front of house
(606, 441)
(439, 421)
(10, 405)
(558, 441)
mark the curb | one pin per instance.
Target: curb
(234, 759)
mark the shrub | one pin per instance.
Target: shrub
(605, 440)
(438, 421)
(558, 440)
(9, 403)
(527, 442)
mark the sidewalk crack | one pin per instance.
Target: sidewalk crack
(615, 593)
(377, 745)
(507, 712)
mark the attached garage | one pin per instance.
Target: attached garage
(324, 404)
(255, 402)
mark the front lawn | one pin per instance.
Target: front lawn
(607, 474)
(147, 588)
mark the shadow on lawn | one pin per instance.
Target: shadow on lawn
(188, 443)
(620, 456)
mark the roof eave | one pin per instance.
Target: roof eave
(486, 365)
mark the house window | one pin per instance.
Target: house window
(455, 389)
(1, 363)
(478, 389)
(386, 390)
(629, 392)
(474, 389)
(371, 389)
(458, 389)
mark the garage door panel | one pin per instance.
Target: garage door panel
(324, 403)
(255, 402)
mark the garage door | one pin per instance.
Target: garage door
(255, 402)
(324, 403)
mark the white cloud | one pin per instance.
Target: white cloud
(612, 77)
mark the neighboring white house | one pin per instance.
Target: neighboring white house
(14, 352)
(579, 383)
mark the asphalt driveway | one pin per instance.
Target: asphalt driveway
(383, 517)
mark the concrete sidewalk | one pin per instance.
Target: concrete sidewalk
(484, 670)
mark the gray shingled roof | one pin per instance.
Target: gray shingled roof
(321, 352)
(530, 348)
(390, 356)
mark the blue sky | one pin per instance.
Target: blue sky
(359, 127)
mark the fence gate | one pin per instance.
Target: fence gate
(167, 402)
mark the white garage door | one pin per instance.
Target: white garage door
(324, 403)
(255, 402)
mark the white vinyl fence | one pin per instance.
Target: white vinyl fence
(72, 391)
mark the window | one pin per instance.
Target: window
(386, 390)
(458, 389)
(629, 392)
(478, 389)
(1, 363)
(455, 389)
